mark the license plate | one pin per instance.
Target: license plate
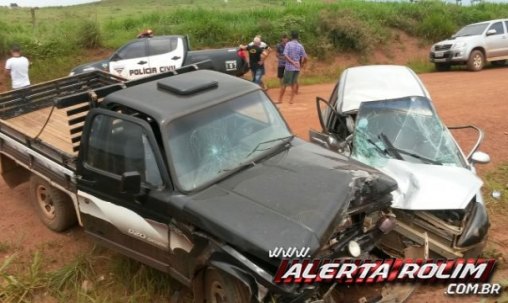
(439, 60)
(439, 54)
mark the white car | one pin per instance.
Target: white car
(383, 116)
(473, 45)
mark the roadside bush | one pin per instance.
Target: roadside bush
(436, 27)
(346, 32)
(4, 47)
(89, 35)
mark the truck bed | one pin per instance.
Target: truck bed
(30, 117)
(56, 133)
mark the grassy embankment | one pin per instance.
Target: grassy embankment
(56, 39)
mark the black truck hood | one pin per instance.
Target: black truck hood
(293, 199)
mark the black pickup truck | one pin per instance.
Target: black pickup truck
(194, 173)
(149, 56)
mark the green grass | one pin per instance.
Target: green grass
(497, 180)
(56, 37)
(93, 276)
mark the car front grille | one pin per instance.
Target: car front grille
(443, 47)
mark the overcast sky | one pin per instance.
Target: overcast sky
(41, 3)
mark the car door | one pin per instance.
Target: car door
(334, 130)
(131, 60)
(505, 40)
(496, 42)
(166, 53)
(120, 171)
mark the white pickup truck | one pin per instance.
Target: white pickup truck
(473, 45)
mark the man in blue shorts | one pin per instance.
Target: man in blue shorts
(295, 58)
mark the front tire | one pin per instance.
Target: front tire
(476, 61)
(223, 288)
(54, 208)
(442, 67)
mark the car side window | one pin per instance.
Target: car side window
(118, 146)
(506, 25)
(162, 46)
(132, 50)
(498, 26)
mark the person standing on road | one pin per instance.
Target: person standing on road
(296, 57)
(257, 56)
(17, 68)
(281, 59)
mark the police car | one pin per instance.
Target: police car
(152, 55)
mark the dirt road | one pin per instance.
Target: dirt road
(460, 97)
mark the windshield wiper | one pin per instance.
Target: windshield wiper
(397, 151)
(239, 166)
(369, 140)
(256, 148)
(389, 146)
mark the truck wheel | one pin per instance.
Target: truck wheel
(442, 67)
(53, 207)
(222, 288)
(476, 61)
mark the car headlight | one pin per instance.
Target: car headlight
(476, 226)
(71, 73)
(459, 45)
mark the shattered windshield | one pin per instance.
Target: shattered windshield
(213, 142)
(406, 129)
(471, 30)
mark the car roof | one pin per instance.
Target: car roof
(376, 82)
(488, 21)
(162, 104)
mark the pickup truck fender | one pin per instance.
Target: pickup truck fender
(12, 173)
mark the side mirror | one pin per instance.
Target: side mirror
(480, 157)
(332, 142)
(131, 183)
(115, 57)
(491, 32)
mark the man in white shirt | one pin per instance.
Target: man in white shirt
(17, 68)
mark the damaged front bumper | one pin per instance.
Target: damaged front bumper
(424, 234)
(260, 277)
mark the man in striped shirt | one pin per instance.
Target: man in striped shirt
(295, 58)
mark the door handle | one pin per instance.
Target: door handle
(142, 62)
(176, 58)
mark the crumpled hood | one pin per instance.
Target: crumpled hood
(293, 199)
(431, 187)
